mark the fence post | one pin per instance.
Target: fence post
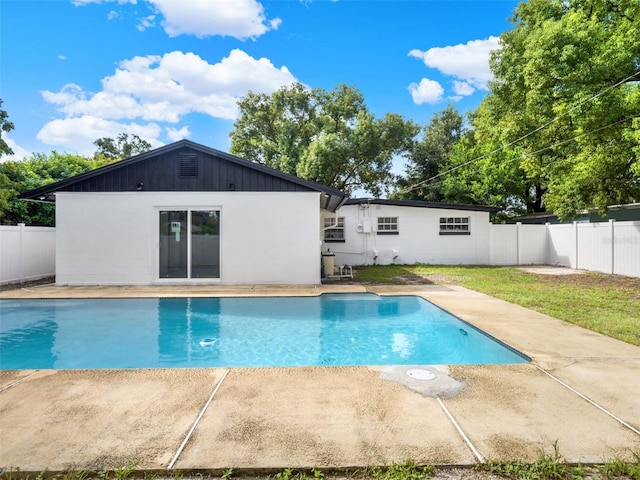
(20, 252)
(547, 245)
(575, 228)
(612, 221)
(518, 242)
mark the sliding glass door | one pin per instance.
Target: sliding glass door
(189, 244)
(205, 244)
(173, 244)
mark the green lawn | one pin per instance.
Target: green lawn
(607, 304)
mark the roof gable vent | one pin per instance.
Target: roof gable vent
(188, 165)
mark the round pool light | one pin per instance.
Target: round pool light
(207, 342)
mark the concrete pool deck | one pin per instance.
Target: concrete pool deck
(581, 390)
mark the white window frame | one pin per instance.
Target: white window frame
(333, 230)
(387, 226)
(455, 226)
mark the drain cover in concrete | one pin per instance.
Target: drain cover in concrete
(428, 380)
(421, 374)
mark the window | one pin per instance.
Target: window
(454, 226)
(387, 225)
(334, 231)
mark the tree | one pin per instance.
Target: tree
(34, 172)
(430, 156)
(329, 137)
(122, 147)
(40, 169)
(565, 102)
(5, 126)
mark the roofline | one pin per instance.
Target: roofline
(537, 215)
(422, 204)
(51, 188)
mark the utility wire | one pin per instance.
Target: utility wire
(526, 135)
(549, 147)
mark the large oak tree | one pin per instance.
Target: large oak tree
(329, 137)
(569, 72)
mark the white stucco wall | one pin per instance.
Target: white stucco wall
(112, 238)
(418, 240)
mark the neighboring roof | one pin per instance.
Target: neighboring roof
(626, 212)
(185, 166)
(420, 204)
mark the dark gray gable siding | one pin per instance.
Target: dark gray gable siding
(186, 166)
(184, 170)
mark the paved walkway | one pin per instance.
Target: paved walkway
(581, 390)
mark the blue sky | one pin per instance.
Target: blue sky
(75, 71)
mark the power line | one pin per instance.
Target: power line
(575, 107)
(525, 155)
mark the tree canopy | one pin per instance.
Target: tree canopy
(431, 155)
(560, 126)
(35, 171)
(121, 147)
(574, 66)
(5, 126)
(41, 169)
(329, 137)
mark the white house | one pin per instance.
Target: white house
(186, 213)
(379, 231)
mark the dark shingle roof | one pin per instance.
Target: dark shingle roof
(421, 204)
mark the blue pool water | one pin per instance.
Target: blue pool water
(331, 329)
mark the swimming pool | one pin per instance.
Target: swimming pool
(330, 329)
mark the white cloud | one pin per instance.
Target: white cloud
(468, 62)
(463, 88)
(81, 132)
(19, 153)
(163, 88)
(275, 23)
(174, 134)
(146, 22)
(427, 91)
(80, 3)
(240, 19)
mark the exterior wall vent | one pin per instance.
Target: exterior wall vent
(188, 165)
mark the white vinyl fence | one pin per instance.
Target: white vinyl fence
(609, 247)
(26, 253)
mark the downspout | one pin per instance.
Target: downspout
(334, 225)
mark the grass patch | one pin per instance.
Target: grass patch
(555, 467)
(546, 467)
(607, 304)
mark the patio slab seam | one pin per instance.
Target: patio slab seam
(197, 421)
(587, 399)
